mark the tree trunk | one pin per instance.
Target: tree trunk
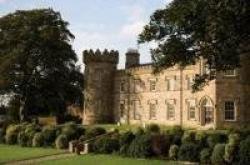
(21, 110)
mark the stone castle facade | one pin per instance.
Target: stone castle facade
(135, 95)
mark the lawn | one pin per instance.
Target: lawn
(105, 160)
(14, 152)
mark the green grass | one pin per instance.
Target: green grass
(106, 160)
(14, 152)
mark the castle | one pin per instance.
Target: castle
(135, 95)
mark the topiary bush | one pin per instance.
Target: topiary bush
(12, 132)
(93, 132)
(216, 138)
(70, 131)
(49, 134)
(244, 152)
(201, 139)
(141, 147)
(217, 157)
(106, 145)
(62, 142)
(160, 144)
(205, 155)
(173, 152)
(38, 140)
(188, 137)
(189, 152)
(153, 128)
(124, 141)
(22, 139)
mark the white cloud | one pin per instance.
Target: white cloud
(3, 1)
(131, 30)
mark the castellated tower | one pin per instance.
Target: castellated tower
(132, 58)
(99, 74)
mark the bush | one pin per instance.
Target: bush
(140, 131)
(205, 156)
(125, 140)
(216, 138)
(234, 139)
(244, 152)
(106, 145)
(176, 133)
(62, 142)
(141, 147)
(70, 131)
(93, 132)
(2, 140)
(201, 139)
(153, 128)
(11, 138)
(189, 152)
(173, 152)
(49, 134)
(188, 137)
(218, 154)
(160, 144)
(38, 140)
(12, 132)
(22, 139)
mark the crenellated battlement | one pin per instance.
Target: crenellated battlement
(106, 56)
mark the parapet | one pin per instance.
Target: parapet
(106, 56)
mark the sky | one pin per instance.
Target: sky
(111, 24)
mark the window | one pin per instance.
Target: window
(190, 82)
(136, 104)
(137, 85)
(229, 110)
(152, 111)
(191, 109)
(122, 109)
(122, 86)
(170, 111)
(230, 72)
(98, 74)
(152, 85)
(171, 82)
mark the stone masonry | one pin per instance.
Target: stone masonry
(135, 95)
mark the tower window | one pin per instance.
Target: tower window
(171, 83)
(190, 82)
(136, 104)
(122, 109)
(122, 86)
(230, 110)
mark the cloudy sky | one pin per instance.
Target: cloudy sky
(111, 24)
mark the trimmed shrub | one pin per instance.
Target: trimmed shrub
(217, 157)
(216, 138)
(106, 145)
(62, 142)
(188, 137)
(70, 131)
(49, 134)
(173, 152)
(22, 139)
(38, 140)
(12, 132)
(11, 138)
(201, 139)
(189, 152)
(205, 156)
(141, 147)
(176, 130)
(93, 132)
(160, 144)
(139, 131)
(234, 139)
(153, 128)
(244, 153)
(125, 140)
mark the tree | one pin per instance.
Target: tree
(186, 30)
(37, 63)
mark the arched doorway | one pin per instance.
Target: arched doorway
(207, 111)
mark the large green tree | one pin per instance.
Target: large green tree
(37, 63)
(185, 30)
